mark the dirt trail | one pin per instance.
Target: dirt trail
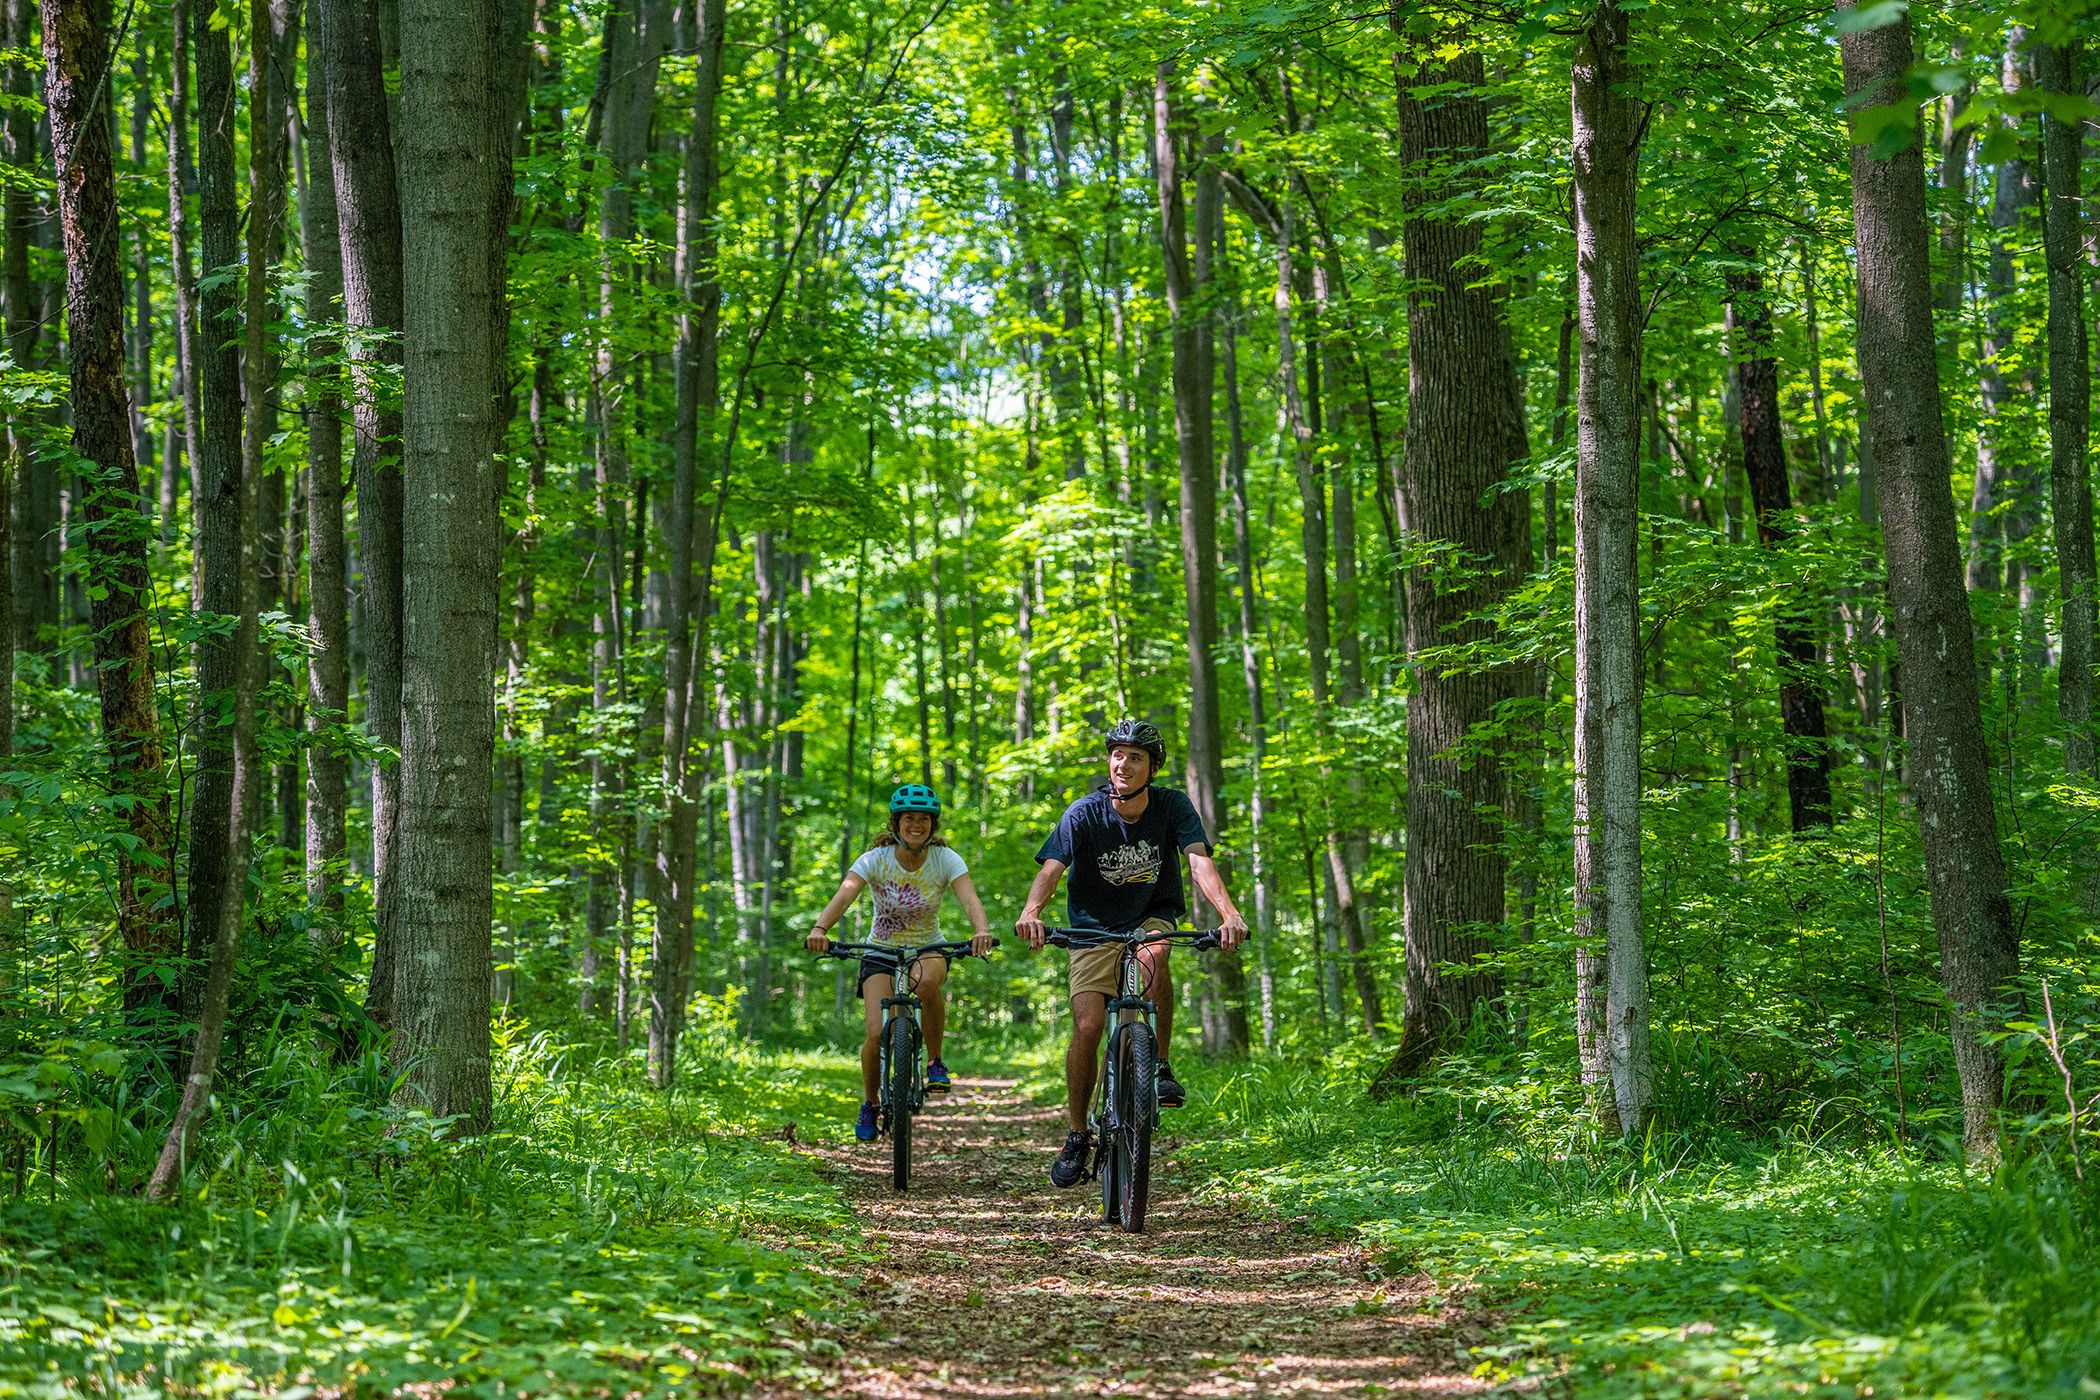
(992, 1283)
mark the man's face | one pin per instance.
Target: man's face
(1129, 768)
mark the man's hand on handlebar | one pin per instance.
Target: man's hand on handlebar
(817, 941)
(1232, 932)
(1029, 928)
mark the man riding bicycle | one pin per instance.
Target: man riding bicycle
(1119, 842)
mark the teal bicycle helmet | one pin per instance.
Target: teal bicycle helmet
(915, 797)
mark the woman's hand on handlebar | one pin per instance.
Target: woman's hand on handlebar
(818, 941)
(982, 945)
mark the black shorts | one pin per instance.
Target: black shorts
(883, 967)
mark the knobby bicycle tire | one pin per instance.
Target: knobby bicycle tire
(1139, 1111)
(1105, 1164)
(903, 1060)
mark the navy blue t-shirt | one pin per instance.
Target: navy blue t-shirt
(1120, 873)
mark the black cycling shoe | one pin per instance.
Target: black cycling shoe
(1171, 1094)
(1070, 1167)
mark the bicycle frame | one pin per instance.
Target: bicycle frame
(902, 1001)
(1131, 1006)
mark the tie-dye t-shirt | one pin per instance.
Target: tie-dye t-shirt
(906, 901)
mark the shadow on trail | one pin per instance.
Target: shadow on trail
(993, 1283)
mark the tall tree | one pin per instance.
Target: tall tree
(225, 517)
(1797, 625)
(368, 212)
(699, 399)
(77, 55)
(1188, 279)
(2060, 70)
(327, 563)
(1607, 535)
(1942, 712)
(1465, 432)
(457, 110)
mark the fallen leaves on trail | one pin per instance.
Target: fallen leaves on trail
(995, 1284)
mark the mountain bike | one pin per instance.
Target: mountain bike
(900, 1084)
(1126, 1101)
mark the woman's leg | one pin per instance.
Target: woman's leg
(872, 992)
(929, 978)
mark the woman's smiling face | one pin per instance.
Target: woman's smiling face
(914, 828)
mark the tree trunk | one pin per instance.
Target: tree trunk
(1188, 280)
(699, 397)
(1258, 854)
(1795, 627)
(1942, 713)
(1465, 433)
(262, 523)
(1607, 571)
(328, 617)
(2061, 70)
(76, 56)
(456, 110)
(215, 846)
(1997, 514)
(35, 485)
(368, 208)
(180, 270)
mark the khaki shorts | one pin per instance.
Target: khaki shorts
(1096, 970)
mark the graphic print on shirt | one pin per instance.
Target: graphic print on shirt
(1134, 864)
(908, 902)
(904, 906)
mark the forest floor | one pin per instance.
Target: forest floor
(990, 1282)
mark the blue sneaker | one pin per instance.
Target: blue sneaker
(937, 1078)
(864, 1126)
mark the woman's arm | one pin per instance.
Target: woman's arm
(820, 935)
(966, 894)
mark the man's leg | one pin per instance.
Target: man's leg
(1083, 1056)
(929, 978)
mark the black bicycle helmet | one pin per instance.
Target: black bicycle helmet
(1137, 734)
(915, 797)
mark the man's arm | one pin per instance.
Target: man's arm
(1030, 925)
(1204, 871)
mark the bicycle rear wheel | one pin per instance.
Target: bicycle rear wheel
(903, 1100)
(1139, 1110)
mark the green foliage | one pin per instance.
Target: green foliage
(1716, 1262)
(603, 1236)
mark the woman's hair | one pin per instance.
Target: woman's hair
(889, 837)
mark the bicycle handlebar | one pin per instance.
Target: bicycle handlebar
(1200, 940)
(946, 947)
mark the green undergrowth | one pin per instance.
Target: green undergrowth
(604, 1239)
(1729, 1266)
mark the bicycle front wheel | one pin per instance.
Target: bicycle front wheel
(1107, 1147)
(1139, 1110)
(903, 1099)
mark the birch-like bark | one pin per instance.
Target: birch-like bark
(327, 562)
(1607, 572)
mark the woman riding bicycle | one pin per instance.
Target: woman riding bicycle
(909, 867)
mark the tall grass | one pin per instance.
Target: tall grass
(1705, 1258)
